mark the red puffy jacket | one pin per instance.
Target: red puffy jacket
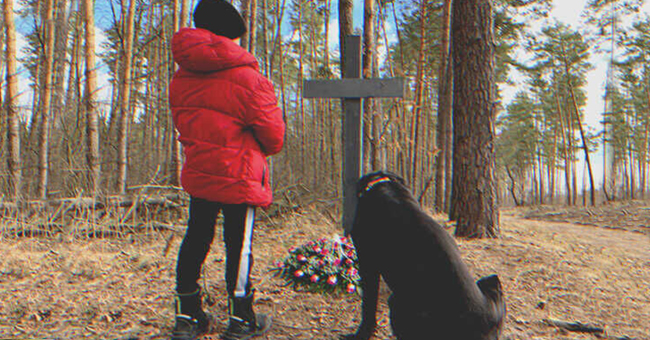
(227, 115)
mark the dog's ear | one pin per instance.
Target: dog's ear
(491, 287)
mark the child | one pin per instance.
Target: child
(228, 119)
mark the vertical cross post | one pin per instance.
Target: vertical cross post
(352, 132)
(352, 88)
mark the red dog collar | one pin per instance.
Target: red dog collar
(372, 183)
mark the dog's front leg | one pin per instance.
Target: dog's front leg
(370, 286)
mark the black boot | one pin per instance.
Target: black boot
(244, 324)
(191, 320)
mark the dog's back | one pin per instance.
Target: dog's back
(432, 287)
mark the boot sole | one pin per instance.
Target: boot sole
(259, 332)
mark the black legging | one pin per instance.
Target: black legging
(237, 235)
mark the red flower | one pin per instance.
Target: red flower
(317, 249)
(324, 251)
(314, 278)
(298, 273)
(351, 288)
(352, 271)
(348, 262)
(337, 262)
(321, 263)
(301, 258)
(332, 280)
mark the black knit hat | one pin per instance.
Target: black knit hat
(219, 17)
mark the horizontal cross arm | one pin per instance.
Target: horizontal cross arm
(354, 88)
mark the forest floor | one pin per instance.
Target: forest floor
(565, 264)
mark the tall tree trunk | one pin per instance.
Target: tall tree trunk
(566, 146)
(370, 145)
(176, 150)
(473, 201)
(265, 39)
(445, 98)
(10, 102)
(252, 26)
(184, 14)
(345, 28)
(299, 98)
(90, 102)
(125, 99)
(46, 103)
(585, 147)
(646, 133)
(62, 24)
(245, 10)
(418, 100)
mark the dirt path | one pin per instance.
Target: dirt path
(633, 243)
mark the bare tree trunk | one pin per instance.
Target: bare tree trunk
(46, 103)
(244, 9)
(265, 39)
(565, 142)
(176, 150)
(92, 122)
(646, 132)
(62, 24)
(585, 147)
(445, 98)
(370, 145)
(252, 26)
(551, 169)
(10, 102)
(299, 98)
(418, 100)
(184, 14)
(125, 99)
(345, 28)
(473, 202)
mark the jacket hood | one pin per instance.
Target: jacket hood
(199, 50)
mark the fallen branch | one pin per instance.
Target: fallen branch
(575, 326)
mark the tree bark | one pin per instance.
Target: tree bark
(345, 28)
(176, 157)
(252, 26)
(567, 144)
(585, 147)
(244, 10)
(445, 99)
(10, 102)
(46, 102)
(418, 100)
(473, 201)
(90, 102)
(368, 56)
(125, 99)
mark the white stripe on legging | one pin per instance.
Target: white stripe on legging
(244, 257)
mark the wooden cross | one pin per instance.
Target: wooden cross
(352, 88)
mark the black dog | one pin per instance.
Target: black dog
(434, 296)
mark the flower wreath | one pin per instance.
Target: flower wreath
(323, 266)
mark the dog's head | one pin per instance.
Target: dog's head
(375, 179)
